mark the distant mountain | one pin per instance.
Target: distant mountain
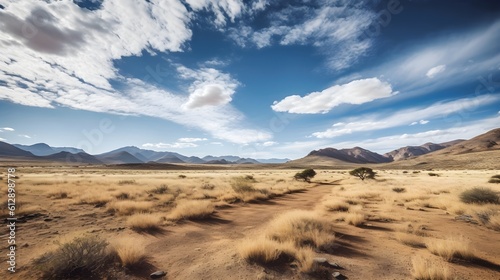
(219, 161)
(227, 158)
(8, 150)
(273, 160)
(164, 157)
(488, 141)
(354, 155)
(246, 161)
(118, 158)
(42, 149)
(78, 158)
(170, 159)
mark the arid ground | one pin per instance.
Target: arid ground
(257, 224)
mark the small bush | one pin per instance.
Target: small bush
(495, 179)
(332, 205)
(160, 190)
(122, 195)
(305, 175)
(84, 257)
(126, 182)
(451, 248)
(399, 190)
(207, 186)
(363, 173)
(250, 178)
(242, 185)
(404, 172)
(479, 196)
(433, 174)
(416, 172)
(355, 219)
(182, 176)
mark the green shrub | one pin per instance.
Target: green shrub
(479, 196)
(305, 175)
(82, 258)
(363, 173)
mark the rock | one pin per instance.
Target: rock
(26, 245)
(338, 275)
(158, 274)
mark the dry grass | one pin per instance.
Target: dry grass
(427, 270)
(144, 222)
(128, 207)
(130, 252)
(410, 240)
(192, 209)
(355, 219)
(450, 248)
(336, 205)
(301, 228)
(95, 198)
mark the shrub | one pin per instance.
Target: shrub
(398, 190)
(495, 179)
(355, 219)
(122, 195)
(479, 196)
(363, 173)
(160, 190)
(242, 185)
(182, 176)
(127, 207)
(207, 186)
(126, 182)
(433, 174)
(332, 205)
(84, 257)
(305, 175)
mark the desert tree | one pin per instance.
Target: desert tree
(363, 173)
(305, 175)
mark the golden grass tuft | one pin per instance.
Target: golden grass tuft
(450, 248)
(128, 207)
(301, 228)
(144, 222)
(130, 252)
(192, 209)
(355, 219)
(95, 198)
(427, 270)
(335, 205)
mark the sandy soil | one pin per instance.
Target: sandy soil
(207, 248)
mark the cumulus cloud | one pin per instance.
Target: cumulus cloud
(52, 61)
(355, 92)
(7, 129)
(457, 109)
(190, 140)
(220, 8)
(435, 70)
(269, 143)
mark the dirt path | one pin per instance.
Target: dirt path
(209, 247)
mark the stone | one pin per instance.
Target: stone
(338, 275)
(158, 274)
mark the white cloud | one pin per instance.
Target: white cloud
(355, 92)
(217, 143)
(269, 143)
(69, 61)
(176, 145)
(8, 128)
(209, 88)
(457, 109)
(190, 140)
(336, 28)
(25, 136)
(435, 70)
(221, 9)
(420, 122)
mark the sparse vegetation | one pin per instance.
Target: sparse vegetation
(306, 175)
(363, 173)
(398, 190)
(83, 257)
(451, 248)
(127, 207)
(126, 182)
(433, 174)
(479, 196)
(355, 219)
(192, 209)
(144, 222)
(182, 176)
(130, 252)
(428, 270)
(495, 179)
(160, 190)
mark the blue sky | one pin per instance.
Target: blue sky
(255, 79)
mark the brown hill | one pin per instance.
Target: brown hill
(488, 141)
(414, 151)
(332, 156)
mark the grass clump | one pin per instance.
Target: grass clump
(433, 174)
(333, 205)
(126, 182)
(355, 219)
(451, 248)
(427, 270)
(144, 222)
(83, 257)
(479, 196)
(243, 185)
(192, 209)
(128, 207)
(410, 240)
(160, 190)
(129, 252)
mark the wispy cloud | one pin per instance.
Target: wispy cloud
(190, 140)
(24, 136)
(176, 145)
(7, 129)
(355, 92)
(420, 122)
(435, 70)
(461, 107)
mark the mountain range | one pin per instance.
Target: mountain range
(489, 141)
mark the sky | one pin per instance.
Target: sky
(260, 79)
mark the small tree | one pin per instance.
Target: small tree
(305, 175)
(363, 173)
